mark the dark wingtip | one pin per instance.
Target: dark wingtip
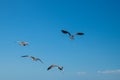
(25, 56)
(60, 68)
(80, 33)
(63, 31)
(48, 69)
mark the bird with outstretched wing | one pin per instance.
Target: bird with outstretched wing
(22, 43)
(33, 58)
(71, 36)
(52, 66)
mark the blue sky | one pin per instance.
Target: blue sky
(94, 56)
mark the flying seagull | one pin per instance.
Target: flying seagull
(71, 35)
(52, 66)
(33, 58)
(22, 43)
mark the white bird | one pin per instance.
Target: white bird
(33, 58)
(22, 43)
(52, 66)
(70, 35)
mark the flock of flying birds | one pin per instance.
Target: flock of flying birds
(71, 36)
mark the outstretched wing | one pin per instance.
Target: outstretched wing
(39, 60)
(25, 56)
(79, 33)
(50, 67)
(66, 32)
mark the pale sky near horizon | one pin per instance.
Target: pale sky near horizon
(93, 56)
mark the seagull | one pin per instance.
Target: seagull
(33, 58)
(52, 66)
(70, 35)
(22, 43)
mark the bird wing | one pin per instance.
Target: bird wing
(51, 66)
(39, 60)
(60, 67)
(79, 33)
(66, 32)
(25, 56)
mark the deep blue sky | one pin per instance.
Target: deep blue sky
(94, 56)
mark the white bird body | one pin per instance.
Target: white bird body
(22, 43)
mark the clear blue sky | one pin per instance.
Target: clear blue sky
(94, 56)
